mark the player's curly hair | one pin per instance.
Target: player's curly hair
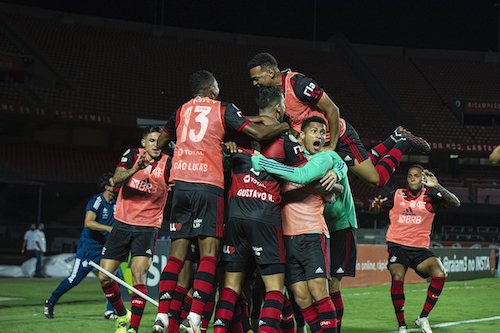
(268, 96)
(200, 81)
(263, 59)
(103, 181)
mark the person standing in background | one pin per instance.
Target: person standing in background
(29, 248)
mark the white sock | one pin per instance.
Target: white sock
(195, 318)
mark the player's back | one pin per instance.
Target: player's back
(257, 195)
(200, 132)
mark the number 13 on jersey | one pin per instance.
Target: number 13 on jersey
(192, 115)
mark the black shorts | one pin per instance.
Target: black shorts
(343, 252)
(193, 253)
(250, 240)
(350, 147)
(125, 238)
(407, 256)
(197, 210)
(307, 258)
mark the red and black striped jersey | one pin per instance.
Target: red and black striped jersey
(257, 195)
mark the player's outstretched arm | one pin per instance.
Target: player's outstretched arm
(311, 171)
(430, 180)
(261, 132)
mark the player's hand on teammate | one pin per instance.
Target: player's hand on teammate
(428, 179)
(230, 147)
(329, 180)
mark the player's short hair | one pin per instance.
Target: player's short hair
(103, 181)
(416, 166)
(151, 129)
(313, 119)
(263, 59)
(268, 96)
(200, 80)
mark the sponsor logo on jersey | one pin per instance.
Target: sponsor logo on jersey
(409, 217)
(143, 185)
(249, 179)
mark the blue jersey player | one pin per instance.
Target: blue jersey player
(98, 223)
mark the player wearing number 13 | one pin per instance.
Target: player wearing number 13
(199, 126)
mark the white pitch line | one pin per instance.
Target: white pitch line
(454, 323)
(4, 299)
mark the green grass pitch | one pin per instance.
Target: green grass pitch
(367, 309)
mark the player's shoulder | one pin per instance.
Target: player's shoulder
(288, 138)
(229, 106)
(129, 153)
(95, 202)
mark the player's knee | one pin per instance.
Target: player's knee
(334, 284)
(139, 275)
(397, 275)
(438, 272)
(318, 288)
(303, 300)
(104, 279)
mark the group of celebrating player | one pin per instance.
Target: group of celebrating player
(281, 222)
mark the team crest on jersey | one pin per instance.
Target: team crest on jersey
(157, 173)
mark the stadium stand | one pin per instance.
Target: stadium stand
(128, 70)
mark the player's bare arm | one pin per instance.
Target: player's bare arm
(261, 132)
(263, 119)
(122, 174)
(332, 114)
(91, 223)
(163, 139)
(430, 180)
